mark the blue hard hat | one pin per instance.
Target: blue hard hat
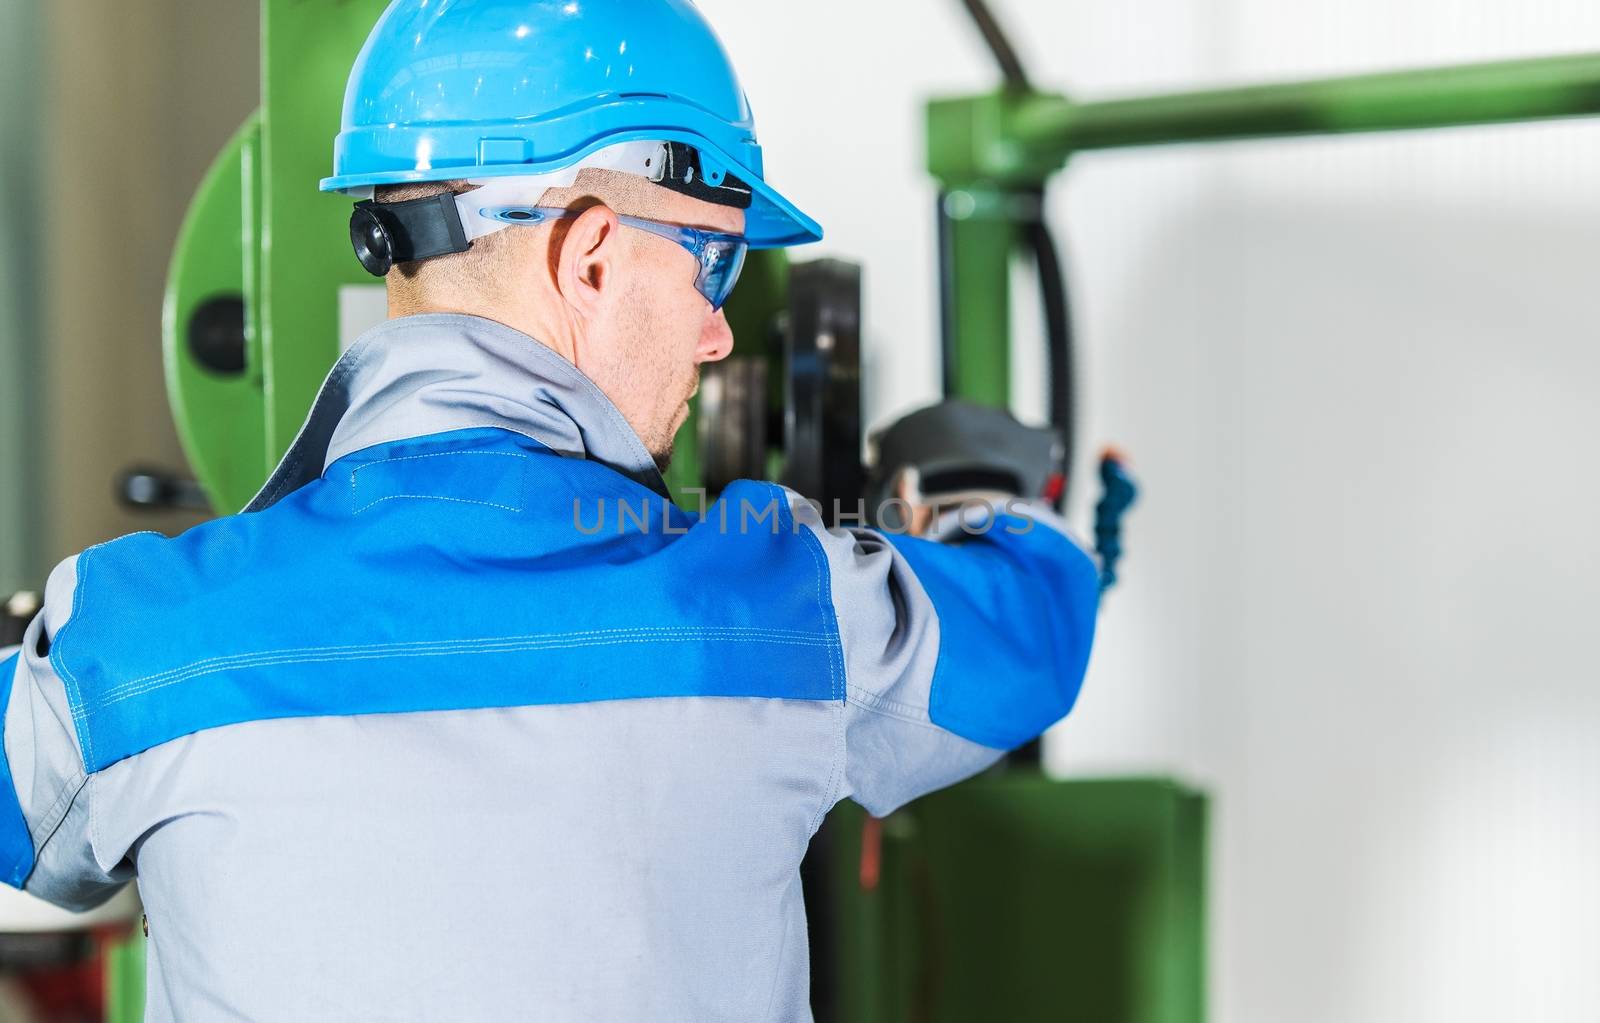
(483, 88)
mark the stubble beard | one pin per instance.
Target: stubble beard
(661, 448)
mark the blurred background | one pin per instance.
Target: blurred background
(1356, 377)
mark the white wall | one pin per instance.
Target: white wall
(1358, 379)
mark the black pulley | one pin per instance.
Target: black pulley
(822, 385)
(731, 422)
(216, 334)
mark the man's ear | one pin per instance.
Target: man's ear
(587, 258)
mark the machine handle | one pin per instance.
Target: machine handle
(149, 489)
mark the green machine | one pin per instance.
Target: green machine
(1015, 897)
(1011, 897)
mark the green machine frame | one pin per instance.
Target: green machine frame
(1009, 897)
(991, 153)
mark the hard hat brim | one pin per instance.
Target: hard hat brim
(772, 221)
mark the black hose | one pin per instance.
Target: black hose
(1052, 281)
(947, 297)
(1004, 53)
(1058, 337)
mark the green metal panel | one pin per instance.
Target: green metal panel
(220, 418)
(982, 236)
(22, 448)
(307, 50)
(1017, 898)
(125, 977)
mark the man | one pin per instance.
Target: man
(412, 739)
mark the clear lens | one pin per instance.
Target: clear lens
(720, 263)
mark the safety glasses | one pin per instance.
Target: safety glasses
(721, 256)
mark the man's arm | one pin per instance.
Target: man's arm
(45, 840)
(957, 651)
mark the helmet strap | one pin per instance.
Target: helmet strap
(686, 174)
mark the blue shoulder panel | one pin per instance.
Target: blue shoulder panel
(16, 845)
(470, 569)
(1016, 622)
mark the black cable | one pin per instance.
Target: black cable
(1004, 53)
(1058, 336)
(947, 296)
(1052, 281)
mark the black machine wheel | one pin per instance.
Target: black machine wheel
(732, 421)
(822, 385)
(216, 334)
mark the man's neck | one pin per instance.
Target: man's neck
(557, 336)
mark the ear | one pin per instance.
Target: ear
(586, 260)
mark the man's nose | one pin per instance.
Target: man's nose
(716, 341)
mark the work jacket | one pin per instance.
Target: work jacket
(463, 719)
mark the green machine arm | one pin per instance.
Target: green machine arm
(992, 153)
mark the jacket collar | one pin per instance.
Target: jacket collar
(422, 375)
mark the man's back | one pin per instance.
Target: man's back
(589, 862)
(465, 720)
(350, 805)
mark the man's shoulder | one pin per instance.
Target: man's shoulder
(472, 584)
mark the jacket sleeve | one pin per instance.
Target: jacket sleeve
(45, 816)
(955, 651)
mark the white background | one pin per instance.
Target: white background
(1358, 378)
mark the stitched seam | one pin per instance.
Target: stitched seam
(52, 818)
(431, 497)
(233, 660)
(341, 658)
(870, 699)
(58, 658)
(436, 454)
(529, 643)
(635, 630)
(94, 817)
(778, 972)
(510, 647)
(451, 651)
(814, 546)
(507, 426)
(827, 613)
(436, 497)
(67, 797)
(889, 712)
